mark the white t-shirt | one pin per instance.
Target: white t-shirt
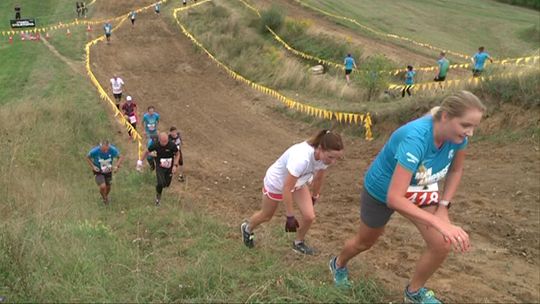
(299, 160)
(117, 85)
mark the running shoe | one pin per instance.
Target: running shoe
(158, 199)
(247, 237)
(340, 275)
(303, 248)
(181, 178)
(422, 296)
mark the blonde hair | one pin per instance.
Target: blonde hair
(457, 104)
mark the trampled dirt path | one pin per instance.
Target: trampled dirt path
(232, 135)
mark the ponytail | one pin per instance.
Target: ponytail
(327, 140)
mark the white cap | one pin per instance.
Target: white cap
(128, 98)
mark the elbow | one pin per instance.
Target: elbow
(393, 202)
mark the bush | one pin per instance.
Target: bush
(520, 90)
(273, 18)
(370, 78)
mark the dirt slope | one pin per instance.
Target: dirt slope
(232, 135)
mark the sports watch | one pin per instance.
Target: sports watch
(445, 203)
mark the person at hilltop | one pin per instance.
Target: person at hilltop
(404, 178)
(166, 161)
(117, 86)
(479, 60)
(157, 8)
(349, 65)
(108, 31)
(100, 158)
(287, 181)
(132, 17)
(409, 80)
(78, 9)
(84, 9)
(443, 64)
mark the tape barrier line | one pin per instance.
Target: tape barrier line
(103, 94)
(519, 60)
(75, 22)
(508, 61)
(380, 33)
(342, 117)
(452, 83)
(290, 48)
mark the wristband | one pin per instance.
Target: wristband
(445, 203)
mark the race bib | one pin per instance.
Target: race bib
(133, 119)
(165, 163)
(106, 168)
(423, 195)
(151, 127)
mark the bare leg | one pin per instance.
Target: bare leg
(362, 241)
(302, 197)
(266, 213)
(436, 252)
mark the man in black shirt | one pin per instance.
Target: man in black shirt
(166, 162)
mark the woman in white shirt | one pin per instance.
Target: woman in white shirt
(287, 181)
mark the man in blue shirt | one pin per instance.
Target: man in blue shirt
(349, 64)
(108, 31)
(100, 158)
(409, 80)
(479, 59)
(151, 121)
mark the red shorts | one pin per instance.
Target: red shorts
(273, 196)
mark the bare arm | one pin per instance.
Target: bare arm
(317, 182)
(92, 166)
(397, 201)
(120, 160)
(452, 182)
(288, 186)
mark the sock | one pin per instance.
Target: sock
(298, 242)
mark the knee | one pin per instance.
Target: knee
(309, 218)
(265, 217)
(440, 247)
(103, 187)
(362, 244)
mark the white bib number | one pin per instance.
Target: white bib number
(165, 163)
(133, 119)
(151, 127)
(106, 168)
(423, 195)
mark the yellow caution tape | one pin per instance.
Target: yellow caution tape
(452, 83)
(342, 117)
(105, 97)
(393, 36)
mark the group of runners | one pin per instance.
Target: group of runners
(81, 9)
(478, 60)
(403, 178)
(163, 154)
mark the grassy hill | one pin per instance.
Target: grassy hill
(59, 243)
(458, 25)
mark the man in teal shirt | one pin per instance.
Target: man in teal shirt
(444, 64)
(349, 64)
(479, 60)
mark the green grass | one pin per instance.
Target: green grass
(461, 25)
(231, 33)
(46, 12)
(59, 244)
